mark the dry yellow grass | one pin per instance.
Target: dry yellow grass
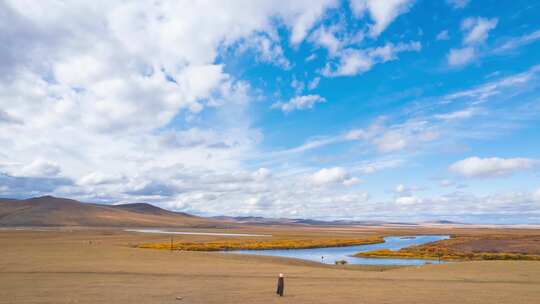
(224, 245)
(408, 253)
(468, 248)
(65, 267)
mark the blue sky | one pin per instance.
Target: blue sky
(396, 110)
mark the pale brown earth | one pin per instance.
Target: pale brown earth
(99, 266)
(506, 244)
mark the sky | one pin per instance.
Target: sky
(391, 110)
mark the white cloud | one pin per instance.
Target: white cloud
(361, 197)
(98, 178)
(391, 141)
(517, 42)
(297, 85)
(456, 4)
(266, 50)
(352, 181)
(304, 15)
(311, 57)
(443, 35)
(261, 174)
(299, 103)
(491, 167)
(408, 200)
(325, 37)
(378, 165)
(477, 29)
(313, 84)
(400, 188)
(40, 168)
(130, 84)
(381, 12)
(458, 115)
(259, 202)
(508, 85)
(537, 194)
(6, 118)
(446, 183)
(354, 61)
(408, 135)
(131, 101)
(406, 192)
(462, 56)
(333, 176)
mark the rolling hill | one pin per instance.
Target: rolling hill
(54, 211)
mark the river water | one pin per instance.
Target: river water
(331, 254)
(161, 231)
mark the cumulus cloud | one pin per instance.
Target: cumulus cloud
(408, 200)
(334, 175)
(326, 37)
(352, 181)
(99, 178)
(361, 197)
(261, 174)
(404, 195)
(266, 49)
(401, 188)
(6, 118)
(299, 103)
(40, 168)
(381, 12)
(302, 15)
(133, 101)
(491, 167)
(461, 56)
(154, 188)
(26, 186)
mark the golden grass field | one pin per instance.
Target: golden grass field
(238, 244)
(484, 247)
(104, 266)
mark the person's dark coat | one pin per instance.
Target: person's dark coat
(280, 286)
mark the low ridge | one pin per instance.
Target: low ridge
(55, 211)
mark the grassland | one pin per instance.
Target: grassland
(79, 265)
(238, 244)
(468, 248)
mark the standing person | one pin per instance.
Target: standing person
(280, 285)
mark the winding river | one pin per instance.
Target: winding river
(331, 254)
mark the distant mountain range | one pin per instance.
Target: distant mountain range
(255, 220)
(54, 211)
